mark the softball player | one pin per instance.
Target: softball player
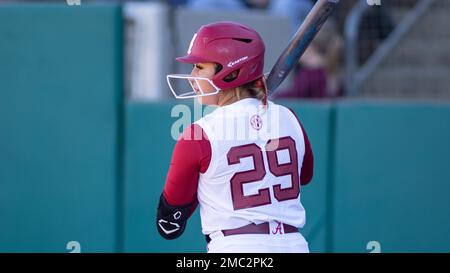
(245, 162)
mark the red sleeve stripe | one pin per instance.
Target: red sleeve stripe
(308, 159)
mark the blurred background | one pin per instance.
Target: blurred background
(86, 118)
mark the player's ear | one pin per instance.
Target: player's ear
(232, 76)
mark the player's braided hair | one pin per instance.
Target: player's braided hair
(255, 89)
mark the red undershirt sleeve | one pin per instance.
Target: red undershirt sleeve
(191, 156)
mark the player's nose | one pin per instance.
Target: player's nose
(194, 71)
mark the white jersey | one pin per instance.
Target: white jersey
(254, 171)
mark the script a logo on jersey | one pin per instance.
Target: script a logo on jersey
(277, 229)
(256, 122)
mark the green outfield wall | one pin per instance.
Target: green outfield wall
(392, 177)
(60, 112)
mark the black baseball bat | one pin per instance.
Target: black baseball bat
(299, 42)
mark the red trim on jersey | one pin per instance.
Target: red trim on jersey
(191, 156)
(308, 159)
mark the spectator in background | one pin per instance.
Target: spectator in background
(319, 71)
(296, 10)
(376, 25)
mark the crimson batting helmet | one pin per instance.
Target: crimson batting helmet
(236, 47)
